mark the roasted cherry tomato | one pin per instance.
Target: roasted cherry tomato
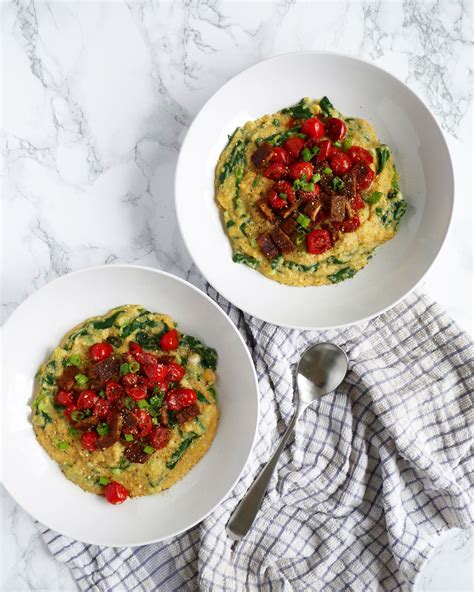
(306, 196)
(159, 437)
(87, 399)
(145, 422)
(357, 203)
(100, 351)
(170, 340)
(275, 171)
(335, 129)
(113, 390)
(313, 127)
(137, 393)
(364, 175)
(134, 347)
(340, 163)
(280, 155)
(319, 241)
(89, 440)
(298, 169)
(175, 372)
(357, 154)
(348, 225)
(275, 201)
(286, 188)
(180, 398)
(294, 146)
(129, 379)
(115, 493)
(325, 150)
(101, 408)
(65, 398)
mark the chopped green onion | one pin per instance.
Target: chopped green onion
(77, 415)
(327, 171)
(143, 404)
(129, 437)
(315, 178)
(73, 431)
(383, 154)
(62, 445)
(154, 420)
(230, 223)
(373, 198)
(103, 429)
(129, 403)
(283, 196)
(102, 394)
(81, 379)
(337, 183)
(306, 154)
(124, 368)
(326, 105)
(347, 143)
(134, 367)
(276, 123)
(74, 360)
(104, 481)
(115, 470)
(338, 144)
(87, 412)
(149, 449)
(303, 220)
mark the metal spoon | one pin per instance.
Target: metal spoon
(320, 371)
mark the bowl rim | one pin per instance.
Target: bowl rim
(145, 268)
(179, 212)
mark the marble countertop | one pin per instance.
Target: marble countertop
(98, 97)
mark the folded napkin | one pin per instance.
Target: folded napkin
(375, 472)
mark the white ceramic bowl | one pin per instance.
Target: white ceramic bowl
(358, 89)
(36, 482)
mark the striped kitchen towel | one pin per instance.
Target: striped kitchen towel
(374, 473)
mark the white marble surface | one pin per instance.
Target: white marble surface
(97, 98)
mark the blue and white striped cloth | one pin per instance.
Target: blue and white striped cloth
(374, 473)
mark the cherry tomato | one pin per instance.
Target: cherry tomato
(89, 440)
(69, 409)
(357, 154)
(113, 390)
(155, 372)
(101, 408)
(357, 203)
(286, 188)
(87, 399)
(64, 398)
(335, 129)
(137, 393)
(275, 171)
(115, 493)
(175, 372)
(170, 340)
(298, 169)
(280, 155)
(159, 437)
(319, 241)
(134, 347)
(145, 422)
(180, 398)
(325, 150)
(348, 225)
(100, 351)
(129, 379)
(294, 146)
(364, 174)
(340, 163)
(313, 127)
(275, 201)
(306, 196)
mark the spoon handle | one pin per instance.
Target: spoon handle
(244, 514)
